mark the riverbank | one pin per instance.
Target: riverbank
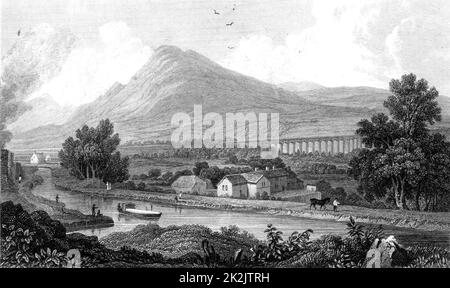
(404, 219)
(72, 220)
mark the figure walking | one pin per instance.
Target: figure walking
(93, 209)
(335, 205)
(57, 198)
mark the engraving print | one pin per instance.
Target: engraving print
(225, 134)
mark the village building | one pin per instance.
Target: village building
(191, 185)
(311, 188)
(37, 158)
(234, 185)
(257, 184)
(48, 158)
(293, 182)
(278, 179)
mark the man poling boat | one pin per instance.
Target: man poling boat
(130, 209)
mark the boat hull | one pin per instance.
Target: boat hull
(141, 215)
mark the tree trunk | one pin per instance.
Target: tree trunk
(418, 200)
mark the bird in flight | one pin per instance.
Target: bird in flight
(230, 47)
(18, 33)
(215, 12)
(229, 24)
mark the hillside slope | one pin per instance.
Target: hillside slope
(173, 81)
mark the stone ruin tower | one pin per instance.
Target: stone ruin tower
(7, 171)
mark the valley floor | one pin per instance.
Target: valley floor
(406, 219)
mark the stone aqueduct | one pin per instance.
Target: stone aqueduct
(330, 145)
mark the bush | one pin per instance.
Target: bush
(356, 200)
(337, 193)
(154, 173)
(141, 186)
(143, 177)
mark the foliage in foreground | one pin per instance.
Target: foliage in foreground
(35, 240)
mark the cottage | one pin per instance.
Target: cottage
(191, 185)
(257, 184)
(293, 182)
(37, 158)
(48, 158)
(234, 185)
(278, 180)
(311, 188)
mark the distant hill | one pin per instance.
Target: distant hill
(43, 111)
(300, 86)
(174, 80)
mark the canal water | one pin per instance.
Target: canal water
(214, 219)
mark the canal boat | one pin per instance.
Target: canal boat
(130, 209)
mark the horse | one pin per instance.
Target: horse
(321, 202)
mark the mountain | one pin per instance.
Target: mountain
(300, 86)
(370, 98)
(43, 111)
(173, 81)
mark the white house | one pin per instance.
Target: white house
(311, 188)
(48, 158)
(257, 183)
(37, 158)
(234, 185)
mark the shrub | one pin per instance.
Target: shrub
(154, 173)
(141, 186)
(143, 177)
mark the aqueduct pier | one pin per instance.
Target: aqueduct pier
(330, 145)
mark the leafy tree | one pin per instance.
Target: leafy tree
(92, 154)
(116, 171)
(154, 173)
(413, 105)
(401, 165)
(199, 166)
(404, 160)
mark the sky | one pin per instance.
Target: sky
(333, 43)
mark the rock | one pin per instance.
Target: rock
(384, 252)
(54, 228)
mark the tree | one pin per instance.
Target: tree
(404, 160)
(199, 166)
(92, 154)
(154, 173)
(116, 171)
(413, 105)
(401, 165)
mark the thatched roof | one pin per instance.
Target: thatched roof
(187, 181)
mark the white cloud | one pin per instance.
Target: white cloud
(354, 43)
(91, 69)
(327, 53)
